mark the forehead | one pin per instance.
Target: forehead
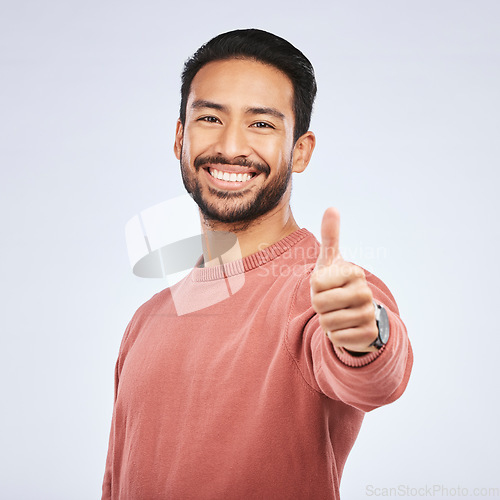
(243, 82)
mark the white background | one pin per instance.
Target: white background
(407, 122)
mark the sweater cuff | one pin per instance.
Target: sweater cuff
(355, 361)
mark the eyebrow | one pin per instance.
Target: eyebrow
(266, 111)
(201, 103)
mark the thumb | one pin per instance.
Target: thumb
(330, 231)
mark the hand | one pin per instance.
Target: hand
(340, 294)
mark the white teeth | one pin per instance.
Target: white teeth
(229, 176)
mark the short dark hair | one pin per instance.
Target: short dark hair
(264, 47)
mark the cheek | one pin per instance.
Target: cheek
(272, 152)
(187, 148)
(197, 142)
(275, 150)
(277, 158)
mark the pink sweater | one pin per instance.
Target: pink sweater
(243, 397)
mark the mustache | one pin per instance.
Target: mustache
(222, 160)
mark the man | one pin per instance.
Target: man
(259, 394)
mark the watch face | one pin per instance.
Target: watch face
(383, 325)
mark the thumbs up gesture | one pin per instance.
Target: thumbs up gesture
(340, 294)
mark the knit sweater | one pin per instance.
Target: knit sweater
(226, 386)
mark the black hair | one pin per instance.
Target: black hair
(264, 47)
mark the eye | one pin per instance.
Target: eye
(262, 125)
(209, 119)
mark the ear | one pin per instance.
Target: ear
(179, 134)
(302, 151)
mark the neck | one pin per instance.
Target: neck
(224, 242)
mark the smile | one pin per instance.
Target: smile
(231, 176)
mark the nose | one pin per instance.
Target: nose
(232, 142)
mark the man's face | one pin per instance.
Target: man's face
(236, 145)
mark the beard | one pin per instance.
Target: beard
(236, 207)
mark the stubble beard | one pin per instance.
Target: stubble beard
(238, 208)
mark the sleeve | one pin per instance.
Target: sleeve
(106, 485)
(365, 382)
(108, 471)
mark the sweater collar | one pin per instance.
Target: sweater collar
(249, 262)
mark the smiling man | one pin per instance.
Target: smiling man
(260, 394)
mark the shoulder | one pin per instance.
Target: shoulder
(142, 315)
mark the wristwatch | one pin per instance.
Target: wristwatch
(382, 325)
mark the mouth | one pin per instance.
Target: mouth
(231, 177)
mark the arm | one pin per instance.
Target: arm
(337, 320)
(370, 380)
(108, 471)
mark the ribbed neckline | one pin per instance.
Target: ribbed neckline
(251, 261)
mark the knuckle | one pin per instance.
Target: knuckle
(365, 294)
(368, 313)
(317, 302)
(362, 297)
(346, 270)
(326, 322)
(357, 271)
(317, 280)
(322, 323)
(313, 281)
(332, 335)
(370, 333)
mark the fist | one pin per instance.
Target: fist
(340, 294)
